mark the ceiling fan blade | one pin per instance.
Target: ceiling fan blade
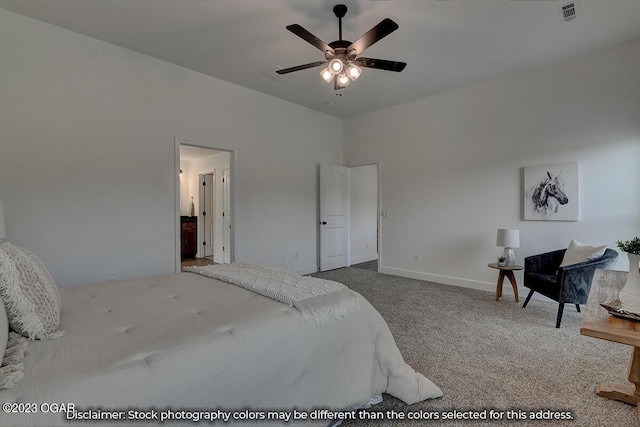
(309, 38)
(380, 31)
(381, 64)
(301, 67)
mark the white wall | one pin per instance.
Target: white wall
(87, 141)
(363, 213)
(452, 170)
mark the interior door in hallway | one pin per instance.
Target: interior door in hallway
(207, 182)
(226, 215)
(334, 210)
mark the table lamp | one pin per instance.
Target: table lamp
(3, 226)
(508, 239)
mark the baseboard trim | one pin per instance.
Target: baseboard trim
(306, 270)
(454, 281)
(364, 258)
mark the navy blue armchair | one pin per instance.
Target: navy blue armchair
(568, 284)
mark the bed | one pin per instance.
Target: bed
(186, 341)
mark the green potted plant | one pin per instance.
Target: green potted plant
(502, 261)
(630, 246)
(630, 294)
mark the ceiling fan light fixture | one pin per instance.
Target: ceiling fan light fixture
(326, 75)
(343, 80)
(341, 56)
(353, 71)
(336, 66)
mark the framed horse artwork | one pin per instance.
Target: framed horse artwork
(551, 192)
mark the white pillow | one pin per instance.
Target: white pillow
(30, 295)
(577, 252)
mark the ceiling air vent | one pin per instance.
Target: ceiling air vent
(568, 11)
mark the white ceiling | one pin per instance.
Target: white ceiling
(446, 43)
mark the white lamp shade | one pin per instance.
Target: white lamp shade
(343, 80)
(3, 226)
(335, 66)
(353, 71)
(508, 238)
(327, 75)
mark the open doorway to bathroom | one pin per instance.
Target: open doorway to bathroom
(364, 224)
(204, 204)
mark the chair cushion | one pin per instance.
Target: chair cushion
(550, 278)
(577, 253)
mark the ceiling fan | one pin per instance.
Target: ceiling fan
(341, 56)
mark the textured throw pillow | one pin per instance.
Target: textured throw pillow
(4, 329)
(12, 348)
(29, 293)
(577, 252)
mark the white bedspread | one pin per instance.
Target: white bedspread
(319, 301)
(187, 341)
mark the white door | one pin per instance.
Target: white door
(207, 182)
(226, 216)
(334, 208)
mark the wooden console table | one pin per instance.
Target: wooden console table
(598, 323)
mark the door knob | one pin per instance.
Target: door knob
(324, 223)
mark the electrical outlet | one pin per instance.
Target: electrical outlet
(283, 259)
(416, 257)
(295, 256)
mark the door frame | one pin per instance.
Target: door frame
(378, 213)
(233, 159)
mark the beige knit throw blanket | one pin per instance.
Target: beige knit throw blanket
(321, 302)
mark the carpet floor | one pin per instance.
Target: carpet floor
(488, 355)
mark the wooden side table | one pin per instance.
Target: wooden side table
(506, 271)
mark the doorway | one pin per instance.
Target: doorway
(364, 221)
(202, 195)
(349, 206)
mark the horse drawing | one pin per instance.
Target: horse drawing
(548, 195)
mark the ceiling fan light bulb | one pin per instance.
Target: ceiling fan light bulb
(353, 71)
(343, 80)
(327, 75)
(335, 66)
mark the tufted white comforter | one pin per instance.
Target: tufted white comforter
(188, 341)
